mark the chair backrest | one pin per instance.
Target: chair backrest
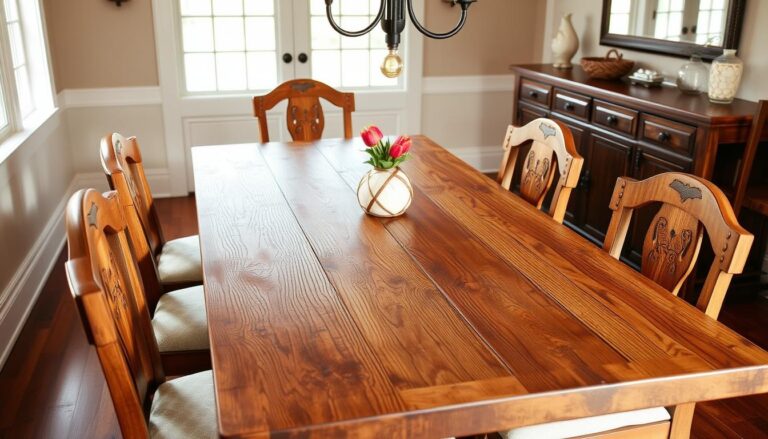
(750, 150)
(108, 294)
(551, 142)
(304, 114)
(689, 206)
(121, 161)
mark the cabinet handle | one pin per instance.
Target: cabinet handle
(568, 106)
(533, 94)
(303, 58)
(663, 136)
(287, 58)
(611, 119)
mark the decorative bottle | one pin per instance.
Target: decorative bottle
(725, 77)
(565, 44)
(693, 76)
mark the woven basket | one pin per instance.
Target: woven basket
(607, 68)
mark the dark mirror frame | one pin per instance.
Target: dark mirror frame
(731, 38)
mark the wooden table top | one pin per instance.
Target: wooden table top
(473, 312)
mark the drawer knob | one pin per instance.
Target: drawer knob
(663, 136)
(533, 94)
(611, 119)
(569, 106)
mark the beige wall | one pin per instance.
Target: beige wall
(498, 33)
(586, 20)
(95, 44)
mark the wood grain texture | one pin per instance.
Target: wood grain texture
(565, 330)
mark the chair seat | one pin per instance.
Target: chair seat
(585, 426)
(180, 322)
(184, 408)
(179, 261)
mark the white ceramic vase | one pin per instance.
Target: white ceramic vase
(385, 192)
(565, 44)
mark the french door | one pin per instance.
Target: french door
(218, 53)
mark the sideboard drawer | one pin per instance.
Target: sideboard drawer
(615, 118)
(535, 92)
(673, 135)
(571, 104)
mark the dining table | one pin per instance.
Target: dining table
(472, 312)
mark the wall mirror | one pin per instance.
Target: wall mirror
(673, 27)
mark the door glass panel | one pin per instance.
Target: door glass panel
(348, 62)
(229, 45)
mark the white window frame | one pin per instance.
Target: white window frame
(37, 62)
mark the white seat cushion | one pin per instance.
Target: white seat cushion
(180, 322)
(184, 408)
(591, 425)
(179, 261)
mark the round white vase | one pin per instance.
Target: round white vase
(385, 192)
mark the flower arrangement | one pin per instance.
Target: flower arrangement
(384, 154)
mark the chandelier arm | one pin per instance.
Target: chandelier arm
(425, 31)
(346, 33)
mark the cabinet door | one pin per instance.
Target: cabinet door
(606, 160)
(645, 165)
(574, 214)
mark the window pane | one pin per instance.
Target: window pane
(195, 7)
(262, 70)
(197, 34)
(17, 45)
(229, 34)
(259, 7)
(326, 66)
(317, 7)
(228, 7)
(353, 7)
(354, 23)
(230, 71)
(620, 6)
(355, 65)
(200, 71)
(3, 112)
(260, 33)
(25, 94)
(323, 35)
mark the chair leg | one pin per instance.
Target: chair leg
(682, 418)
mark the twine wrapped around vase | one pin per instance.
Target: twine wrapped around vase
(385, 192)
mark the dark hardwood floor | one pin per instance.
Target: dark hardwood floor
(52, 385)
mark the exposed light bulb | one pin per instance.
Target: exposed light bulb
(392, 65)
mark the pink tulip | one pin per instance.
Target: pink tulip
(371, 135)
(401, 146)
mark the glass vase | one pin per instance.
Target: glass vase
(385, 192)
(693, 76)
(725, 77)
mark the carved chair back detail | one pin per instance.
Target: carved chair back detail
(121, 160)
(304, 114)
(690, 206)
(106, 286)
(552, 152)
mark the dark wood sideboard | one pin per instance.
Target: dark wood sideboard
(626, 130)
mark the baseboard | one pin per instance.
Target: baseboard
(482, 158)
(25, 286)
(159, 180)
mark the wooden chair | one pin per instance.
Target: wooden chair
(106, 287)
(689, 206)
(177, 261)
(305, 114)
(180, 322)
(551, 140)
(757, 198)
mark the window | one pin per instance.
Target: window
(711, 22)
(24, 76)
(669, 19)
(231, 46)
(348, 62)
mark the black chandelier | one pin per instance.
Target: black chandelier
(392, 17)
